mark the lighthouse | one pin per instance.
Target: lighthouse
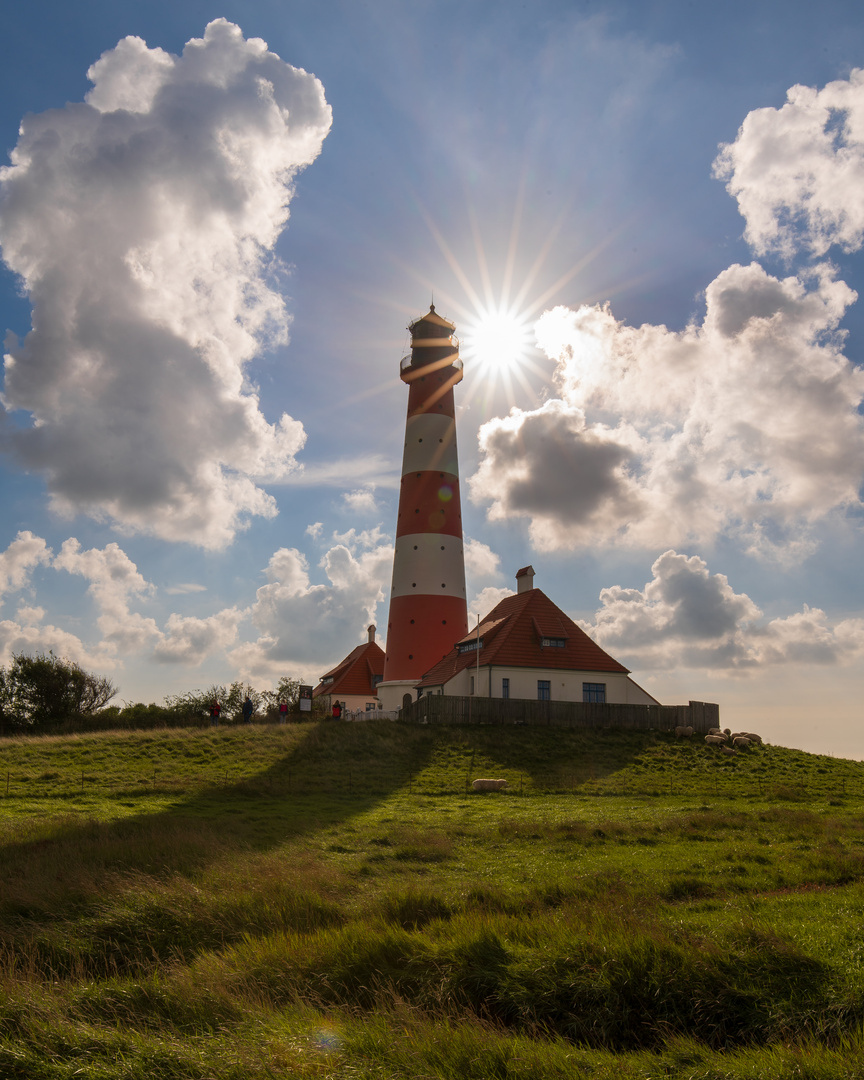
(428, 608)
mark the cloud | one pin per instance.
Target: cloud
(361, 501)
(798, 171)
(300, 623)
(686, 617)
(114, 579)
(23, 555)
(113, 583)
(31, 639)
(745, 425)
(190, 640)
(482, 563)
(184, 589)
(141, 224)
(30, 616)
(484, 601)
(480, 560)
(549, 466)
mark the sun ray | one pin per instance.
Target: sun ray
(452, 261)
(512, 247)
(495, 304)
(480, 252)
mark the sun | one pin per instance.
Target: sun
(498, 342)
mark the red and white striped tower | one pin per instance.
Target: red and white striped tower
(428, 609)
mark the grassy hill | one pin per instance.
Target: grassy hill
(328, 900)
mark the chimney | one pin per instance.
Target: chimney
(525, 579)
(370, 632)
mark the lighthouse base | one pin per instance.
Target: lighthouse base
(392, 694)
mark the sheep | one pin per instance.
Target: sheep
(727, 750)
(752, 737)
(489, 785)
(741, 743)
(715, 740)
(714, 731)
(683, 732)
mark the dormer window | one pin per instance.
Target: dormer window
(327, 679)
(553, 642)
(470, 646)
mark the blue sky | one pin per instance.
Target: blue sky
(219, 257)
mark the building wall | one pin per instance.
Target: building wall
(564, 685)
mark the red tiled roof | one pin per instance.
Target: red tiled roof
(354, 674)
(512, 636)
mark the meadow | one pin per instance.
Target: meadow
(331, 900)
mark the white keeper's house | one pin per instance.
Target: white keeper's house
(527, 648)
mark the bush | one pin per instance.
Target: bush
(43, 691)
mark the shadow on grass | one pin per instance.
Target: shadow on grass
(330, 773)
(546, 758)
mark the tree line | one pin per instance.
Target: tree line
(48, 693)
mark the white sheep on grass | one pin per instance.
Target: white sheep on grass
(715, 740)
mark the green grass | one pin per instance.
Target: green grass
(328, 900)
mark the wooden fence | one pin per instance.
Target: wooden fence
(444, 709)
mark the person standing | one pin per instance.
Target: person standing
(215, 712)
(337, 710)
(248, 709)
(283, 711)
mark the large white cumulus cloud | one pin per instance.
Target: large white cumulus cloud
(142, 224)
(746, 424)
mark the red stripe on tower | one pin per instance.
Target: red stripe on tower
(428, 609)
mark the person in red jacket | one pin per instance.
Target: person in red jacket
(337, 710)
(215, 712)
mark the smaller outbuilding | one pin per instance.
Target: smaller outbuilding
(355, 680)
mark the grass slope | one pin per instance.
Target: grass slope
(329, 900)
